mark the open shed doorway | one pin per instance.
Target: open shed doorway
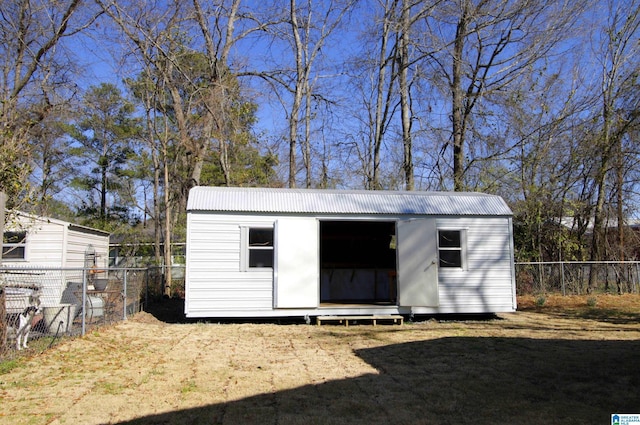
(358, 262)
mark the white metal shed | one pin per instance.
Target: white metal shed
(46, 245)
(256, 252)
(48, 242)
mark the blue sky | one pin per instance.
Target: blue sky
(343, 125)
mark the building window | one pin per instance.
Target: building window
(259, 243)
(14, 245)
(450, 248)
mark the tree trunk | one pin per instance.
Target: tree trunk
(167, 229)
(620, 197)
(382, 106)
(157, 239)
(3, 322)
(457, 94)
(307, 134)
(598, 238)
(293, 140)
(103, 193)
(407, 161)
(294, 118)
(305, 53)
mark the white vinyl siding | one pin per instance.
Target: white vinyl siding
(52, 243)
(217, 286)
(77, 243)
(46, 244)
(485, 283)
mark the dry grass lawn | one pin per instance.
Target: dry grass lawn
(561, 363)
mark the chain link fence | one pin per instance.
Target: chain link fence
(578, 277)
(53, 302)
(72, 302)
(157, 280)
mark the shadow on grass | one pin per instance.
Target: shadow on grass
(600, 314)
(171, 310)
(609, 315)
(457, 380)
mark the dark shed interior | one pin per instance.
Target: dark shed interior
(357, 262)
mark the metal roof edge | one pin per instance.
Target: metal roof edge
(338, 191)
(50, 220)
(331, 201)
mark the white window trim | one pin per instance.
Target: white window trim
(462, 249)
(244, 248)
(16, 245)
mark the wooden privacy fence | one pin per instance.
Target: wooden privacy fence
(578, 277)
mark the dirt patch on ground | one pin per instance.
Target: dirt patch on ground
(147, 318)
(541, 365)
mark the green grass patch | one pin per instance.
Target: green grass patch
(7, 366)
(188, 387)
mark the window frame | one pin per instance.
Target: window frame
(15, 246)
(246, 248)
(462, 233)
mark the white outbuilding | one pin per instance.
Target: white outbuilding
(35, 241)
(257, 252)
(47, 254)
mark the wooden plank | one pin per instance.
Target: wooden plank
(396, 319)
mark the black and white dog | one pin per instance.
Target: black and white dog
(22, 322)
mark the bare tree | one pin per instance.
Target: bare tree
(52, 168)
(184, 50)
(32, 70)
(544, 119)
(372, 72)
(153, 33)
(383, 91)
(480, 48)
(617, 50)
(306, 30)
(386, 73)
(402, 53)
(222, 27)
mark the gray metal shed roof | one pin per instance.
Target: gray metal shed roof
(318, 201)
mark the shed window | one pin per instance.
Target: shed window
(259, 248)
(14, 245)
(450, 244)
